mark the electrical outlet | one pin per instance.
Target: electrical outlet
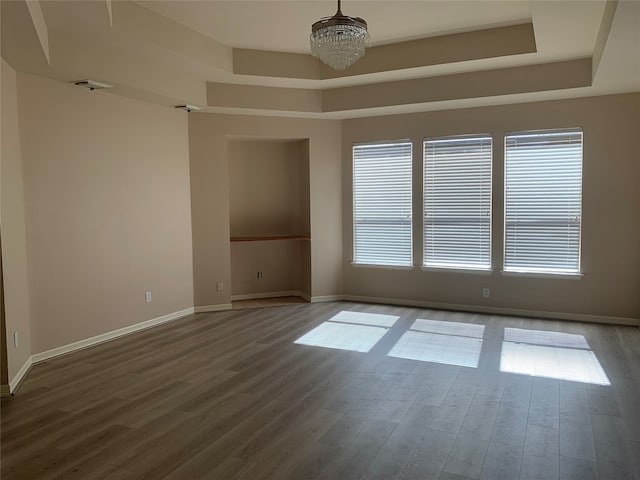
(259, 275)
(147, 297)
(486, 293)
(16, 340)
(220, 286)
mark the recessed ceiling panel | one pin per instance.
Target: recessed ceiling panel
(285, 25)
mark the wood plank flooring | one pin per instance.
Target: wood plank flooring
(267, 302)
(229, 395)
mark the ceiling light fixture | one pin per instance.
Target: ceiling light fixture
(339, 41)
(92, 84)
(188, 108)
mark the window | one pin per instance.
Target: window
(382, 203)
(543, 195)
(457, 202)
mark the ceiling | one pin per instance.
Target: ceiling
(285, 25)
(253, 56)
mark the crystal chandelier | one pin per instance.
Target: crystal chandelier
(339, 41)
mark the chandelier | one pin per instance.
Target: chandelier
(339, 41)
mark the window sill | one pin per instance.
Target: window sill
(471, 271)
(559, 276)
(386, 267)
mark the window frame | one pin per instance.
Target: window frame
(543, 272)
(458, 267)
(354, 260)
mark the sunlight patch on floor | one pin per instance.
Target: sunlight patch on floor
(433, 347)
(542, 337)
(364, 318)
(348, 330)
(547, 354)
(449, 328)
(451, 343)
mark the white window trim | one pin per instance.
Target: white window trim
(410, 216)
(541, 273)
(471, 271)
(384, 267)
(459, 268)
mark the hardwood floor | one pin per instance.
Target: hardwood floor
(267, 302)
(229, 395)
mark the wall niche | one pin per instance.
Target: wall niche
(269, 218)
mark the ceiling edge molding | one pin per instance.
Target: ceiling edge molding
(227, 95)
(603, 34)
(151, 27)
(110, 11)
(40, 24)
(275, 64)
(125, 69)
(488, 83)
(439, 50)
(20, 45)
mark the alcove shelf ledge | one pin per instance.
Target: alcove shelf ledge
(266, 238)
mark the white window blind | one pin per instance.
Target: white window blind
(543, 196)
(457, 202)
(382, 203)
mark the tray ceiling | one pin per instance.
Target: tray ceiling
(253, 56)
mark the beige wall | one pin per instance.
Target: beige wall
(268, 188)
(4, 372)
(209, 136)
(284, 265)
(269, 195)
(104, 198)
(106, 186)
(611, 205)
(12, 219)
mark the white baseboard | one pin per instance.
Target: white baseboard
(55, 352)
(516, 312)
(578, 317)
(212, 308)
(306, 296)
(5, 391)
(105, 337)
(18, 377)
(327, 298)
(257, 296)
